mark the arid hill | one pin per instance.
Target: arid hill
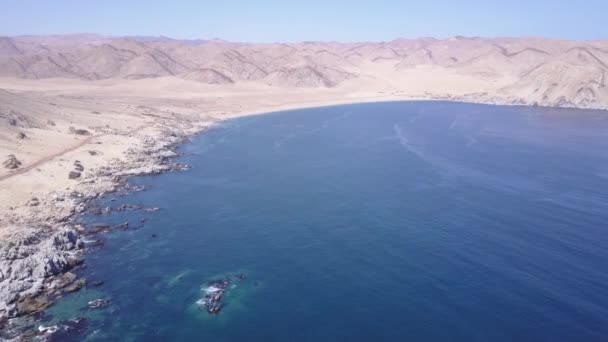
(531, 71)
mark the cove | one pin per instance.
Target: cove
(388, 221)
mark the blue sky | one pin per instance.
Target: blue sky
(270, 20)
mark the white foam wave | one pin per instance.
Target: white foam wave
(211, 290)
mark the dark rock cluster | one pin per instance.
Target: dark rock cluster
(11, 162)
(79, 131)
(213, 301)
(77, 172)
(99, 303)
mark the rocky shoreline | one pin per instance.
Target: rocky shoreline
(37, 261)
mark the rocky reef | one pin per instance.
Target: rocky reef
(215, 292)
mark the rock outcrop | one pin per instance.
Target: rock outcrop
(11, 162)
(28, 264)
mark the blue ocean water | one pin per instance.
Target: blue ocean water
(420, 221)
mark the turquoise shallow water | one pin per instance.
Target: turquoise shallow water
(392, 221)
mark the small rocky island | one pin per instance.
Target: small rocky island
(216, 290)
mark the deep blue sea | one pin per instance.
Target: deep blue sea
(404, 221)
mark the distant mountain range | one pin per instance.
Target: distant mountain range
(533, 70)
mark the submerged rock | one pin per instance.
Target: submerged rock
(129, 207)
(97, 283)
(124, 225)
(99, 228)
(95, 211)
(99, 303)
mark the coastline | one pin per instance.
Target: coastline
(46, 242)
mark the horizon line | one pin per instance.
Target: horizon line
(218, 39)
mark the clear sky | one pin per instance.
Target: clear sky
(274, 20)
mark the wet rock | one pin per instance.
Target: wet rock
(154, 235)
(93, 153)
(95, 211)
(21, 136)
(74, 175)
(97, 283)
(64, 280)
(32, 305)
(76, 286)
(11, 162)
(12, 122)
(124, 225)
(97, 228)
(214, 309)
(99, 303)
(129, 207)
(180, 167)
(50, 123)
(242, 276)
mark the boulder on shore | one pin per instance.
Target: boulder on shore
(79, 131)
(74, 175)
(78, 166)
(11, 162)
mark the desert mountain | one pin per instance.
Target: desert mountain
(525, 70)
